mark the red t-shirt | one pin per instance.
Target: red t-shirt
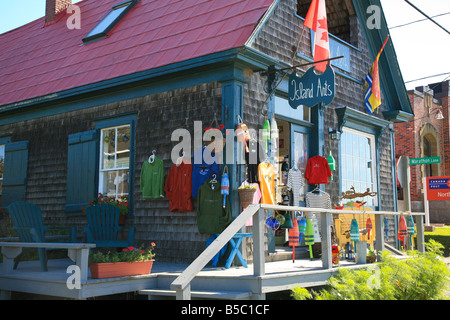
(317, 170)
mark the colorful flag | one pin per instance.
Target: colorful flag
(316, 20)
(372, 85)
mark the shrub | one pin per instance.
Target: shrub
(421, 276)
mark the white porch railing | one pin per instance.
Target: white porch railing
(182, 283)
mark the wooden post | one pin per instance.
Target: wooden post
(184, 294)
(420, 237)
(325, 222)
(379, 235)
(258, 243)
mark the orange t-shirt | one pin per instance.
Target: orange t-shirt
(266, 177)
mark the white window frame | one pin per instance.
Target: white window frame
(374, 163)
(102, 171)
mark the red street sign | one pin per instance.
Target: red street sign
(438, 188)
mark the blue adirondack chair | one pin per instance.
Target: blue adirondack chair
(27, 220)
(103, 227)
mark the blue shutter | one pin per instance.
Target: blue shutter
(15, 172)
(81, 170)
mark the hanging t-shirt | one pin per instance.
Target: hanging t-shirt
(295, 183)
(267, 178)
(152, 179)
(252, 160)
(178, 188)
(212, 217)
(317, 170)
(203, 169)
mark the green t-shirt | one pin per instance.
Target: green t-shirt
(212, 218)
(152, 179)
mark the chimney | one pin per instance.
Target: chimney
(53, 7)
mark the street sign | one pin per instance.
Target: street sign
(438, 188)
(430, 160)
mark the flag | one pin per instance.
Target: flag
(372, 85)
(316, 20)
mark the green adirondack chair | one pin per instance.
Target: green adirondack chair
(103, 227)
(29, 226)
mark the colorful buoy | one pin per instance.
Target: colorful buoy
(309, 236)
(225, 187)
(368, 227)
(402, 230)
(386, 228)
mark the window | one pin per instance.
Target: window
(101, 30)
(283, 108)
(115, 162)
(359, 163)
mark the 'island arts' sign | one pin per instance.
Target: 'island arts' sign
(312, 88)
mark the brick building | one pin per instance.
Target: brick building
(82, 110)
(427, 135)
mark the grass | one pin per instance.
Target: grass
(441, 235)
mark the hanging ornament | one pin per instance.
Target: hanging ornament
(411, 229)
(309, 236)
(294, 238)
(354, 232)
(315, 224)
(331, 163)
(272, 223)
(225, 185)
(302, 228)
(368, 227)
(266, 133)
(402, 230)
(273, 129)
(386, 228)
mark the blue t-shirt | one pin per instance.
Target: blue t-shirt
(203, 167)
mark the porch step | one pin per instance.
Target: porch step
(200, 294)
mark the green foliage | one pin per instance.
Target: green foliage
(421, 276)
(129, 254)
(441, 235)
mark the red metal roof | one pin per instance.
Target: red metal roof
(37, 61)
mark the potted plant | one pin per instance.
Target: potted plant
(121, 204)
(128, 262)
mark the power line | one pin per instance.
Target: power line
(429, 18)
(436, 75)
(407, 24)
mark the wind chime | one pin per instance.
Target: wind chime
(402, 230)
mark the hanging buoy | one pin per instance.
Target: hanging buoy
(411, 230)
(225, 186)
(368, 227)
(386, 228)
(309, 236)
(302, 228)
(402, 230)
(273, 129)
(266, 133)
(354, 232)
(294, 238)
(331, 163)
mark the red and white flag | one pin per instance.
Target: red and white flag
(316, 20)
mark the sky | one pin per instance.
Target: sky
(423, 49)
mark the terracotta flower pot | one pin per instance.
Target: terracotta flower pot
(120, 269)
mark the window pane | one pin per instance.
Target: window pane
(106, 21)
(123, 147)
(121, 182)
(108, 148)
(2, 160)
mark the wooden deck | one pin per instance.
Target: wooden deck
(280, 276)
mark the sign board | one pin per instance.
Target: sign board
(312, 88)
(403, 171)
(431, 160)
(438, 188)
